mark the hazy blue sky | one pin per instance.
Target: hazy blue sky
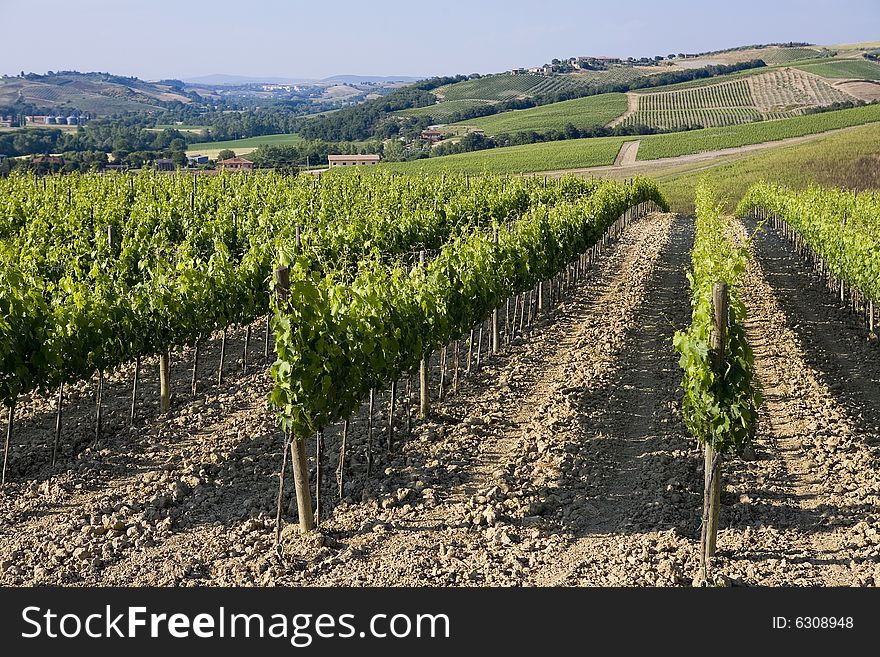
(184, 38)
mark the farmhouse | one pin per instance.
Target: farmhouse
(196, 160)
(163, 164)
(352, 160)
(432, 136)
(546, 69)
(48, 160)
(236, 164)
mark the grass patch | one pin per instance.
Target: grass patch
(250, 142)
(861, 69)
(848, 159)
(696, 141)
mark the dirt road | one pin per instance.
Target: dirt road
(632, 106)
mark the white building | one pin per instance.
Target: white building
(352, 160)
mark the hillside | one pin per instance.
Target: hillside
(848, 159)
(582, 113)
(602, 151)
(515, 85)
(780, 93)
(94, 93)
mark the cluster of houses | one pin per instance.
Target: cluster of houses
(546, 69)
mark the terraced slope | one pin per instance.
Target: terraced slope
(777, 94)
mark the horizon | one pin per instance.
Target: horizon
(202, 39)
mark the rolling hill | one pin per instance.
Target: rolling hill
(602, 151)
(94, 93)
(777, 94)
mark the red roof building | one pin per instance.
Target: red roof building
(236, 164)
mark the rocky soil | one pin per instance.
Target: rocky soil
(562, 461)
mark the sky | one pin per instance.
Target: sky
(154, 39)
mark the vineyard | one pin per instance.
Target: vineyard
(505, 86)
(443, 112)
(602, 151)
(491, 89)
(849, 68)
(779, 94)
(442, 380)
(583, 113)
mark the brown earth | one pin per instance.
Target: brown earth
(627, 154)
(563, 461)
(866, 90)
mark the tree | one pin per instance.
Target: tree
(225, 154)
(393, 151)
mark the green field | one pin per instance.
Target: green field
(711, 139)
(193, 129)
(581, 153)
(846, 159)
(250, 142)
(845, 68)
(241, 146)
(583, 113)
(570, 154)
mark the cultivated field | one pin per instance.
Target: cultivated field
(777, 94)
(442, 112)
(241, 146)
(848, 159)
(582, 153)
(560, 456)
(846, 68)
(583, 113)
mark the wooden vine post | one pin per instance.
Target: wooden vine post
(712, 490)
(164, 384)
(496, 337)
(9, 422)
(424, 394)
(134, 388)
(58, 409)
(298, 457)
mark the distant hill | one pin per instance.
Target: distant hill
(94, 93)
(221, 79)
(363, 79)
